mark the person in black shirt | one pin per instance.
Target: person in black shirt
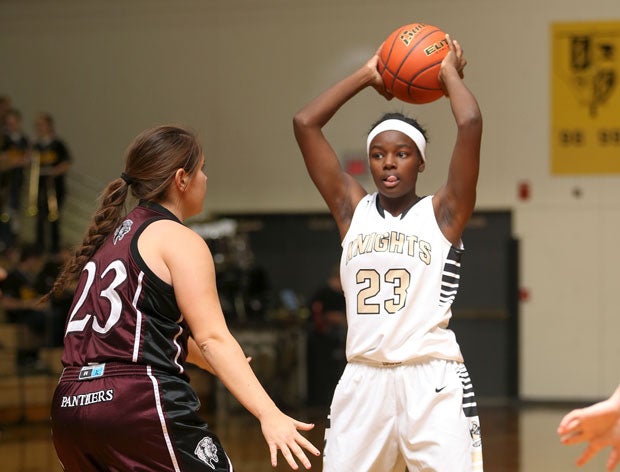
(54, 161)
(20, 301)
(60, 303)
(326, 340)
(14, 154)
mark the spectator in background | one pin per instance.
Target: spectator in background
(14, 155)
(5, 105)
(326, 340)
(59, 303)
(20, 301)
(54, 160)
(3, 274)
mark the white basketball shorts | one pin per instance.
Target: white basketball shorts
(420, 415)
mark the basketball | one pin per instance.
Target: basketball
(409, 62)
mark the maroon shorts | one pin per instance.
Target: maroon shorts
(120, 417)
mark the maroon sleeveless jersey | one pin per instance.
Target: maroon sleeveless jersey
(123, 312)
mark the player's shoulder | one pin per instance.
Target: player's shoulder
(171, 226)
(174, 233)
(365, 203)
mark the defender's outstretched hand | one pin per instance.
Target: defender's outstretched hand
(599, 425)
(282, 432)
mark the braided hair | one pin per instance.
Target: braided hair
(151, 162)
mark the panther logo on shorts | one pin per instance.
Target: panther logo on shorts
(206, 451)
(122, 230)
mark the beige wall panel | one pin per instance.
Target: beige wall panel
(238, 70)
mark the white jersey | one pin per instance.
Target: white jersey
(400, 276)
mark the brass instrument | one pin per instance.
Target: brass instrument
(52, 200)
(33, 183)
(33, 190)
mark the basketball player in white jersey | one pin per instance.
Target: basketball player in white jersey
(405, 398)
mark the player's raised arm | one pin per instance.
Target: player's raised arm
(193, 276)
(340, 191)
(455, 201)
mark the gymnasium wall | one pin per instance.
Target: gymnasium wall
(238, 70)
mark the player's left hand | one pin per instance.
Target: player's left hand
(599, 425)
(282, 432)
(453, 60)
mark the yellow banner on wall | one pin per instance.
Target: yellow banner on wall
(585, 98)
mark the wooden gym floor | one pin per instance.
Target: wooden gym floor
(515, 439)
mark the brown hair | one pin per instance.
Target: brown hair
(48, 119)
(151, 162)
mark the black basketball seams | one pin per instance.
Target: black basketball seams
(385, 67)
(420, 83)
(413, 49)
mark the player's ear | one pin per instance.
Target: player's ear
(181, 179)
(421, 165)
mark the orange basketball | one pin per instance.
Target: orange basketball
(409, 62)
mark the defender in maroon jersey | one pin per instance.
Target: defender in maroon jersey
(145, 304)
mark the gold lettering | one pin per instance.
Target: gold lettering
(381, 242)
(393, 241)
(411, 240)
(361, 245)
(397, 242)
(425, 252)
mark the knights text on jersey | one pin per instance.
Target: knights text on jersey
(399, 276)
(121, 311)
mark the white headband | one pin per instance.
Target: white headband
(403, 127)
